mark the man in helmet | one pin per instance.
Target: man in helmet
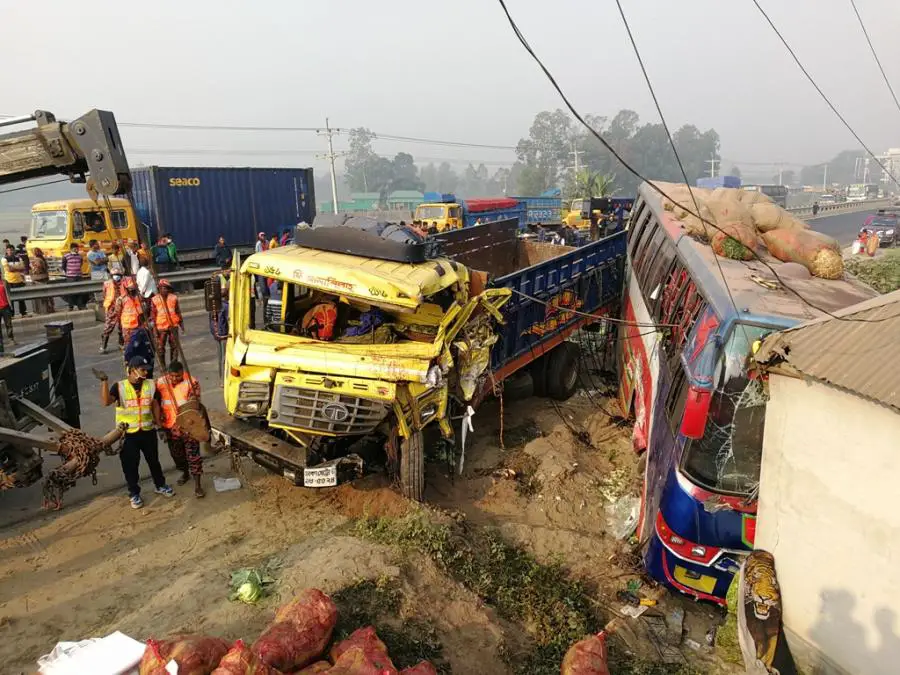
(165, 313)
(131, 310)
(176, 388)
(113, 289)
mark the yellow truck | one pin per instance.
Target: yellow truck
(364, 352)
(55, 226)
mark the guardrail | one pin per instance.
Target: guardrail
(55, 289)
(843, 207)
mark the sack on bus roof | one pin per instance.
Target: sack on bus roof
(729, 210)
(750, 197)
(768, 216)
(735, 241)
(819, 253)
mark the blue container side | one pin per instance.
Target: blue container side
(719, 181)
(195, 205)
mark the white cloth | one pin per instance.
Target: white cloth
(259, 246)
(145, 282)
(133, 261)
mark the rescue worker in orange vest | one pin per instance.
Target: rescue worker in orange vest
(113, 289)
(319, 322)
(131, 310)
(176, 388)
(166, 316)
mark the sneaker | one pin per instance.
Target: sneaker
(165, 491)
(137, 502)
(103, 350)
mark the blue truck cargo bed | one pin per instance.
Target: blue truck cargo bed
(195, 205)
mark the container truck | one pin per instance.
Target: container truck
(371, 352)
(193, 205)
(443, 211)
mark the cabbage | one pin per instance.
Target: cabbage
(249, 585)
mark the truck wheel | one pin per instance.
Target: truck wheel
(562, 371)
(412, 467)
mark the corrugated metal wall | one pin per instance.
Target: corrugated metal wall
(197, 204)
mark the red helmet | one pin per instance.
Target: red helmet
(165, 283)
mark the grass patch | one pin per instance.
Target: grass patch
(377, 602)
(552, 608)
(881, 273)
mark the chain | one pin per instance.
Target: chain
(82, 455)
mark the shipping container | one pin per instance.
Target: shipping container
(719, 181)
(195, 205)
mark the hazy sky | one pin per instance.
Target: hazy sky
(449, 70)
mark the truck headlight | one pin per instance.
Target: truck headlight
(251, 408)
(891, 231)
(434, 378)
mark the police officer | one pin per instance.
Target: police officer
(138, 405)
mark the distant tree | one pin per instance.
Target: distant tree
(360, 161)
(447, 178)
(428, 174)
(404, 174)
(545, 152)
(734, 171)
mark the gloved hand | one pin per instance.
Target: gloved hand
(100, 375)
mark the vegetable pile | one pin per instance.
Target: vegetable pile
(735, 222)
(294, 642)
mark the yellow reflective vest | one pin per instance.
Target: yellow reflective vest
(136, 409)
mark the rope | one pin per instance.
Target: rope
(498, 392)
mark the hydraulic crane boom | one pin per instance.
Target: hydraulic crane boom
(88, 146)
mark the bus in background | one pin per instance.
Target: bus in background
(862, 191)
(777, 193)
(699, 409)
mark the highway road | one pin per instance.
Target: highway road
(844, 227)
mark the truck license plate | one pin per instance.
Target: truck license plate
(325, 476)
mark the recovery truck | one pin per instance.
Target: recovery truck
(416, 341)
(38, 381)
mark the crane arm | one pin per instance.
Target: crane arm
(87, 146)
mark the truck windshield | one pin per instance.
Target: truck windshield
(302, 311)
(48, 224)
(429, 212)
(727, 458)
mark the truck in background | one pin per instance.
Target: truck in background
(443, 211)
(371, 351)
(719, 182)
(193, 205)
(584, 211)
(777, 193)
(861, 192)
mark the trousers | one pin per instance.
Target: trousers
(134, 445)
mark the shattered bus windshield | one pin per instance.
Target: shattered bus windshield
(727, 458)
(303, 311)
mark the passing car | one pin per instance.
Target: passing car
(885, 224)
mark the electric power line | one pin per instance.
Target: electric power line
(37, 185)
(822, 93)
(875, 54)
(606, 144)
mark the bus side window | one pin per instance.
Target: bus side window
(78, 225)
(676, 398)
(118, 219)
(648, 233)
(659, 268)
(644, 262)
(637, 230)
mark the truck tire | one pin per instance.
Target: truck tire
(539, 375)
(412, 466)
(562, 371)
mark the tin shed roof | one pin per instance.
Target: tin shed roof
(859, 354)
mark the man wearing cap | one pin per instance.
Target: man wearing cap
(165, 313)
(113, 289)
(261, 242)
(176, 388)
(138, 405)
(131, 310)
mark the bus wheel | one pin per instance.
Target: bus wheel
(562, 371)
(412, 466)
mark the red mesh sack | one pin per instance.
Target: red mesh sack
(194, 654)
(819, 253)
(316, 668)
(300, 633)
(423, 668)
(735, 241)
(587, 657)
(355, 661)
(241, 661)
(362, 637)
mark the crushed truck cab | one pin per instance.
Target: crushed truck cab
(358, 355)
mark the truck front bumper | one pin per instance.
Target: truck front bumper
(281, 457)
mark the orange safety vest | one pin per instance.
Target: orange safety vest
(131, 311)
(172, 397)
(163, 318)
(109, 292)
(319, 321)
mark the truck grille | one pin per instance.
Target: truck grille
(54, 265)
(325, 411)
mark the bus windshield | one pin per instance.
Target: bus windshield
(48, 224)
(728, 457)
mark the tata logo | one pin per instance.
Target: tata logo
(335, 412)
(184, 182)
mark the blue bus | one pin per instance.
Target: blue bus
(698, 406)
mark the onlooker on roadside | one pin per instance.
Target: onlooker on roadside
(133, 259)
(97, 260)
(273, 242)
(261, 244)
(146, 285)
(40, 275)
(115, 261)
(285, 237)
(6, 313)
(160, 255)
(173, 251)
(815, 209)
(14, 273)
(5, 244)
(22, 254)
(223, 253)
(72, 263)
(144, 254)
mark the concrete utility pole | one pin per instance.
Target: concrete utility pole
(576, 152)
(825, 179)
(331, 155)
(712, 161)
